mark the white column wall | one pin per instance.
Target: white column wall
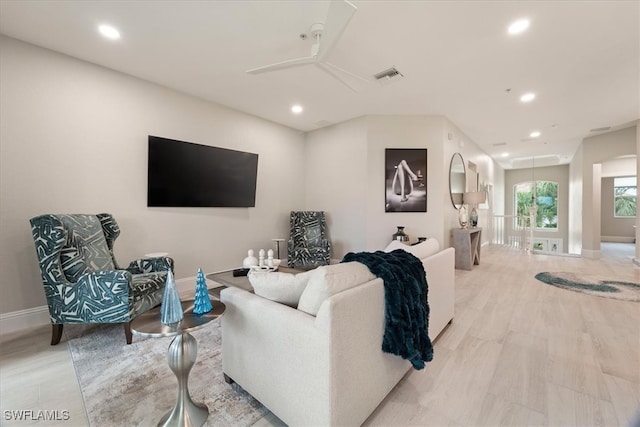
(405, 132)
(575, 202)
(338, 182)
(637, 256)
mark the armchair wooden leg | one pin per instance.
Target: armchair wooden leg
(127, 332)
(56, 333)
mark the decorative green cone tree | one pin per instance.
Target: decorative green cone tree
(202, 303)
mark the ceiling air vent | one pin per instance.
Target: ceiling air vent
(388, 75)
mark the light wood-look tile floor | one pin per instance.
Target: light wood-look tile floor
(518, 353)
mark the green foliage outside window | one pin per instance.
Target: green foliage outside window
(624, 197)
(547, 201)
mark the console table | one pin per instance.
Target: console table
(467, 242)
(181, 357)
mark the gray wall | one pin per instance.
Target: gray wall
(73, 139)
(613, 229)
(346, 176)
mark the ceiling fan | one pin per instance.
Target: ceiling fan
(325, 34)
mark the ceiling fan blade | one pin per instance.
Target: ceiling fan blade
(284, 64)
(338, 16)
(334, 72)
(345, 72)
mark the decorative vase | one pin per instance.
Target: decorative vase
(250, 260)
(400, 235)
(171, 309)
(473, 217)
(201, 302)
(463, 218)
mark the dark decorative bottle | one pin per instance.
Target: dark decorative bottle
(400, 235)
(474, 217)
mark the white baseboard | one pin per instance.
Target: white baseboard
(24, 319)
(39, 316)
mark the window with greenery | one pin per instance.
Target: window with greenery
(624, 196)
(546, 194)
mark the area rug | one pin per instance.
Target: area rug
(593, 285)
(133, 385)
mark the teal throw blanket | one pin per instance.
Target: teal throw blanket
(406, 331)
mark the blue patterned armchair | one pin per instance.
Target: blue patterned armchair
(82, 280)
(308, 245)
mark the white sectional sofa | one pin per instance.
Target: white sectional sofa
(318, 361)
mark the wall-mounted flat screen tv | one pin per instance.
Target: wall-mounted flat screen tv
(184, 174)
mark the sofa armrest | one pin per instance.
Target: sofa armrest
(440, 272)
(106, 288)
(361, 373)
(274, 352)
(150, 265)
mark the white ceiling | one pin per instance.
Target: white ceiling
(581, 58)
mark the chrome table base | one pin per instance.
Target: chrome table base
(181, 356)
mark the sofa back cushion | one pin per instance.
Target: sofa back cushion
(421, 250)
(284, 288)
(329, 280)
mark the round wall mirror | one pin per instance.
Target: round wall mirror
(457, 180)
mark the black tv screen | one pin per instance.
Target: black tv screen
(183, 174)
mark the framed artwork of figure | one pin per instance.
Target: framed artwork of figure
(406, 180)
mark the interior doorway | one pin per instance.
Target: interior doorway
(618, 187)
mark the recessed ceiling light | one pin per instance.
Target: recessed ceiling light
(528, 97)
(296, 109)
(109, 32)
(518, 26)
(505, 154)
(534, 134)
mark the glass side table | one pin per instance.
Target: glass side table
(181, 357)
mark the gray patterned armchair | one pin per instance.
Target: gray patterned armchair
(82, 280)
(308, 245)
